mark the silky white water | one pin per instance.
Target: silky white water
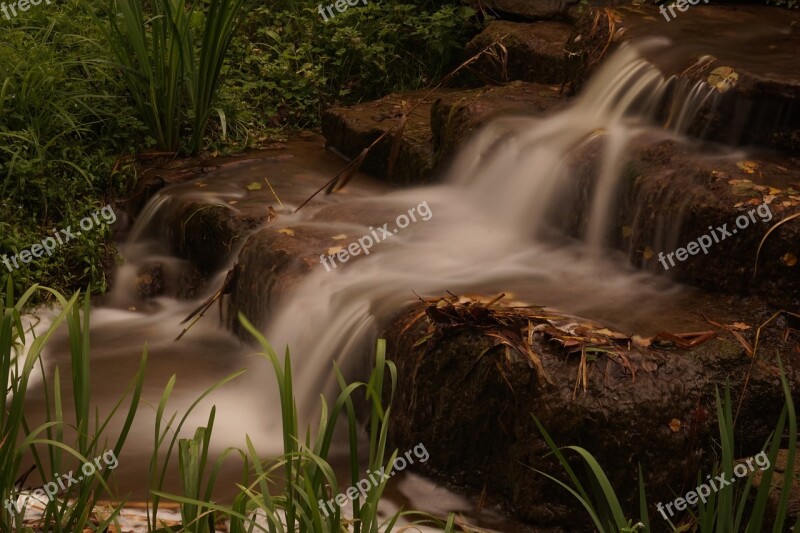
(497, 225)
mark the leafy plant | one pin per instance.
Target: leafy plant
(162, 65)
(72, 510)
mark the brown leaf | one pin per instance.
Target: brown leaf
(675, 425)
(789, 259)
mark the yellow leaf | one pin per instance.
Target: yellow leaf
(648, 253)
(675, 425)
(748, 167)
(287, 231)
(789, 259)
(255, 186)
(626, 231)
(339, 237)
(723, 78)
(334, 249)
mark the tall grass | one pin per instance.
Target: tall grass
(284, 496)
(171, 79)
(734, 507)
(21, 443)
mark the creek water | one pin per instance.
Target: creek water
(499, 223)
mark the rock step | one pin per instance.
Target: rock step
(444, 119)
(535, 51)
(758, 92)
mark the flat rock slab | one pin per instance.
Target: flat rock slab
(354, 128)
(455, 119)
(443, 120)
(535, 51)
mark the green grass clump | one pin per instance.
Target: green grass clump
(57, 445)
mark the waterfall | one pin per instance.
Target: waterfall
(493, 225)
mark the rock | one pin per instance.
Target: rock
(459, 379)
(151, 281)
(443, 121)
(672, 195)
(535, 51)
(757, 100)
(456, 118)
(354, 128)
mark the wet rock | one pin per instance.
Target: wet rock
(455, 119)
(207, 234)
(354, 128)
(535, 51)
(468, 391)
(150, 281)
(673, 196)
(757, 95)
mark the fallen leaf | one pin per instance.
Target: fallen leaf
(648, 253)
(339, 237)
(723, 78)
(255, 186)
(789, 259)
(626, 231)
(748, 167)
(334, 249)
(641, 341)
(740, 326)
(287, 231)
(769, 198)
(675, 425)
(745, 188)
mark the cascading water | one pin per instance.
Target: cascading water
(498, 225)
(492, 228)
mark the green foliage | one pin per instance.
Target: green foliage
(61, 128)
(731, 508)
(171, 79)
(288, 64)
